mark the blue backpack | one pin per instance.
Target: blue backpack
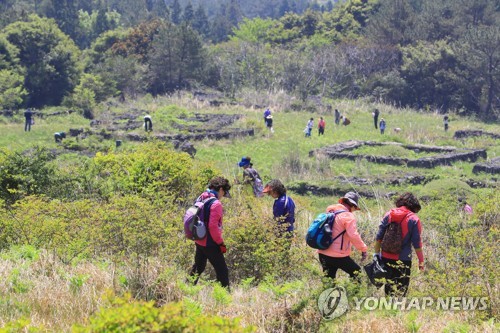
(319, 234)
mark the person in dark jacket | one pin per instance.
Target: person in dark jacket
(28, 118)
(382, 126)
(59, 136)
(267, 113)
(376, 113)
(148, 123)
(283, 207)
(337, 117)
(212, 247)
(398, 265)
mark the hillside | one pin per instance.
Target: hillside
(92, 239)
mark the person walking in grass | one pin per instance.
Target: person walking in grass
(375, 114)
(337, 117)
(321, 126)
(446, 123)
(267, 113)
(309, 127)
(283, 207)
(338, 254)
(269, 123)
(28, 118)
(382, 126)
(399, 230)
(212, 247)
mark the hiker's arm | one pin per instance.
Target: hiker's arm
(290, 212)
(352, 232)
(416, 238)
(215, 218)
(381, 231)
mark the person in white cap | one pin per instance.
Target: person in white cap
(337, 255)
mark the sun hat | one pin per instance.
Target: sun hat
(244, 161)
(352, 197)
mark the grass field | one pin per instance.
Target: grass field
(39, 291)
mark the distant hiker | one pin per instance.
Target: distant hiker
(337, 117)
(321, 126)
(382, 126)
(398, 231)
(148, 123)
(309, 127)
(266, 114)
(59, 136)
(212, 247)
(28, 118)
(465, 206)
(375, 117)
(251, 176)
(445, 122)
(338, 253)
(283, 207)
(345, 121)
(269, 123)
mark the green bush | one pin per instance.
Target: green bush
(125, 316)
(27, 173)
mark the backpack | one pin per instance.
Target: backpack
(194, 219)
(319, 234)
(392, 242)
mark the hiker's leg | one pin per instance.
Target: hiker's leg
(390, 286)
(403, 279)
(200, 263)
(329, 266)
(350, 267)
(217, 260)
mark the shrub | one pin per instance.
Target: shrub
(27, 173)
(125, 316)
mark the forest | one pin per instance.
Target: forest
(431, 55)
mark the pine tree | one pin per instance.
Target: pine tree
(175, 12)
(188, 16)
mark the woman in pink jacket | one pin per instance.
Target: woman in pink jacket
(212, 248)
(337, 255)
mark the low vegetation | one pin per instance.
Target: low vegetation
(95, 244)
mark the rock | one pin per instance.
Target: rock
(492, 167)
(468, 133)
(188, 147)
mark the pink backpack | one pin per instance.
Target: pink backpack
(195, 226)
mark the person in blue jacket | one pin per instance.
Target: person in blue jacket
(283, 208)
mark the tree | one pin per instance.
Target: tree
(188, 16)
(12, 91)
(176, 60)
(49, 57)
(393, 23)
(479, 52)
(200, 22)
(65, 13)
(175, 12)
